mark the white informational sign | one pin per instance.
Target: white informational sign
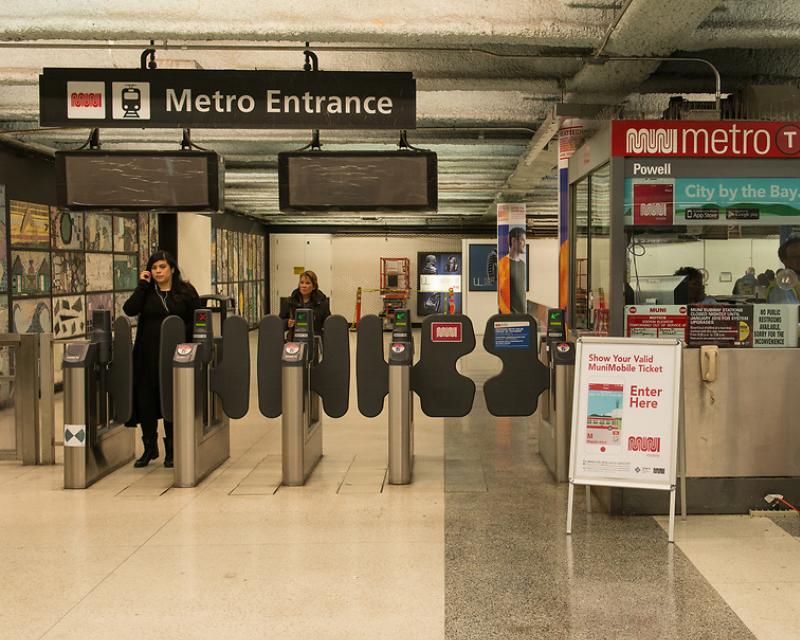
(774, 325)
(625, 414)
(440, 283)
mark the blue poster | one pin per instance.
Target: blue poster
(512, 334)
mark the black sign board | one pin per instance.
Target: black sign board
(169, 98)
(358, 180)
(721, 325)
(136, 180)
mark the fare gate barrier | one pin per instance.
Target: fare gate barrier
(443, 391)
(207, 382)
(98, 400)
(555, 424)
(292, 379)
(30, 386)
(397, 375)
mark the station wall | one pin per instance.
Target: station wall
(345, 262)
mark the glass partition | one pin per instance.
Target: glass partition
(591, 264)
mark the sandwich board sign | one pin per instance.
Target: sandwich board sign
(625, 416)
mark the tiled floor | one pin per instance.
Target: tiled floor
(474, 548)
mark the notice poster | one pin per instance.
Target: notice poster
(774, 325)
(512, 334)
(437, 273)
(720, 325)
(512, 266)
(625, 412)
(663, 321)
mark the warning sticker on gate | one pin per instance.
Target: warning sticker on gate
(74, 435)
(512, 334)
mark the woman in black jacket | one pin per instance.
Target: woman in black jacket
(161, 292)
(308, 296)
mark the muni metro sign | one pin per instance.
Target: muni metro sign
(151, 98)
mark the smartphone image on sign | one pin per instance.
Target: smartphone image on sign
(604, 416)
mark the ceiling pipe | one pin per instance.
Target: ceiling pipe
(717, 77)
(267, 47)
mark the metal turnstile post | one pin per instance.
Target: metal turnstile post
(401, 425)
(201, 431)
(301, 429)
(187, 415)
(555, 430)
(75, 413)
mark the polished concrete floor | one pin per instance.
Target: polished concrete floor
(474, 548)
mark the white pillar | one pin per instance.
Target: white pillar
(194, 250)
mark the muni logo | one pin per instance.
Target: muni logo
(644, 444)
(86, 100)
(445, 332)
(651, 141)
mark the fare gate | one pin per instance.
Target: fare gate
(292, 379)
(204, 383)
(98, 400)
(442, 390)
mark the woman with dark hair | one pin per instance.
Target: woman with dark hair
(308, 296)
(161, 292)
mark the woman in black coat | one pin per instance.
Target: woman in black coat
(161, 292)
(308, 296)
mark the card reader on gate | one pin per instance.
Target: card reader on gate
(203, 334)
(303, 334)
(401, 350)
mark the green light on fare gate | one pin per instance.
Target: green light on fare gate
(301, 318)
(400, 319)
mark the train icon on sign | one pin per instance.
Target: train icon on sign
(130, 100)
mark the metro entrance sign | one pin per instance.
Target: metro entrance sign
(227, 99)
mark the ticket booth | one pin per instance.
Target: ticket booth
(654, 205)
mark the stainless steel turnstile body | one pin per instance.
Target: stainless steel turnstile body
(201, 430)
(401, 424)
(555, 418)
(91, 450)
(301, 427)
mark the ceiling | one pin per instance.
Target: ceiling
(489, 76)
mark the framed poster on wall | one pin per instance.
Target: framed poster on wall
(437, 273)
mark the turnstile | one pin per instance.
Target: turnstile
(555, 417)
(442, 390)
(401, 401)
(291, 381)
(98, 399)
(555, 421)
(209, 382)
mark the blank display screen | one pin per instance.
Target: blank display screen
(168, 181)
(358, 181)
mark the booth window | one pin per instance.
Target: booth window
(591, 251)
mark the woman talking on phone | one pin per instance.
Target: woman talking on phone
(161, 292)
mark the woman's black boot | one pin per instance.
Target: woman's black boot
(150, 452)
(168, 453)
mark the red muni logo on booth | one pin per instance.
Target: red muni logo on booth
(445, 331)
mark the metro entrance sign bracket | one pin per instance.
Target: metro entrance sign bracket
(169, 98)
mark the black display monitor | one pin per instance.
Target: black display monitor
(358, 181)
(136, 180)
